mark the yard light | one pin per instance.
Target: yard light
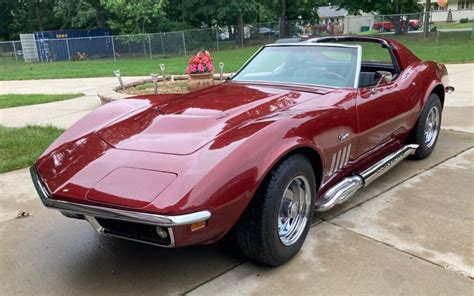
(154, 79)
(221, 70)
(119, 77)
(162, 68)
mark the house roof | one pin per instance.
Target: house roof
(331, 11)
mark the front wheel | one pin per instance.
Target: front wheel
(426, 131)
(276, 222)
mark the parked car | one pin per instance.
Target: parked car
(387, 26)
(300, 128)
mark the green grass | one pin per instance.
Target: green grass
(15, 100)
(233, 59)
(454, 25)
(444, 47)
(20, 147)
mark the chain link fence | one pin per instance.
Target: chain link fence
(167, 44)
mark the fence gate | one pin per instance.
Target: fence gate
(28, 45)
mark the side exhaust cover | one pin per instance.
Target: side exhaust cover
(348, 186)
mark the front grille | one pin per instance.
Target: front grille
(131, 230)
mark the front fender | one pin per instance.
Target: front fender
(240, 161)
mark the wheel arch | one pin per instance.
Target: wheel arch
(314, 158)
(438, 90)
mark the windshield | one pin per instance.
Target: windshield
(312, 65)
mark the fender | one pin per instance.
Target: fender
(439, 81)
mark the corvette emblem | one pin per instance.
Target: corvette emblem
(342, 137)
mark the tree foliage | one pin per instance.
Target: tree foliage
(143, 16)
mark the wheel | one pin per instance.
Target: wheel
(277, 220)
(426, 131)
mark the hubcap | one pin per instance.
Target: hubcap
(432, 127)
(294, 210)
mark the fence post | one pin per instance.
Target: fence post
(14, 51)
(113, 48)
(184, 43)
(162, 45)
(149, 46)
(67, 48)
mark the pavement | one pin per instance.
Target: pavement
(409, 232)
(63, 113)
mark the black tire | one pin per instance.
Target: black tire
(417, 136)
(257, 231)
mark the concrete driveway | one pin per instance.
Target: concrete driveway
(63, 113)
(410, 232)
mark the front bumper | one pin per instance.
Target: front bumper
(95, 214)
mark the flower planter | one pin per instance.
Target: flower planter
(200, 81)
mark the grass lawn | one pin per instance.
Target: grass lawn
(15, 100)
(444, 47)
(454, 25)
(233, 59)
(20, 147)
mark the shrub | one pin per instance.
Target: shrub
(464, 20)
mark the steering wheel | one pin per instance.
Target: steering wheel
(333, 75)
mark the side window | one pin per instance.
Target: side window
(376, 61)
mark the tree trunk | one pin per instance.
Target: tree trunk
(39, 18)
(283, 26)
(231, 32)
(100, 17)
(240, 31)
(426, 27)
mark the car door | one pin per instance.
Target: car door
(388, 111)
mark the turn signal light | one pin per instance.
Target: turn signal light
(198, 225)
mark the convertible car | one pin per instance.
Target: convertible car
(300, 128)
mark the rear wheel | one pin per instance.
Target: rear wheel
(276, 222)
(426, 131)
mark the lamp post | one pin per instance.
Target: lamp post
(162, 68)
(119, 77)
(221, 71)
(154, 79)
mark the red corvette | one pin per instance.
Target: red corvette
(301, 127)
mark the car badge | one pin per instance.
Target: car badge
(342, 137)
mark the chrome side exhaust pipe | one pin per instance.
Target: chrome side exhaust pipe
(348, 186)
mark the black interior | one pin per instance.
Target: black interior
(369, 75)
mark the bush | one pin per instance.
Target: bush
(464, 20)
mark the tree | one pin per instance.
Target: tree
(394, 8)
(77, 14)
(134, 16)
(221, 13)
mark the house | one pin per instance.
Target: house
(459, 9)
(342, 21)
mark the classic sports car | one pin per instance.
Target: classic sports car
(301, 127)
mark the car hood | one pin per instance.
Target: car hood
(183, 124)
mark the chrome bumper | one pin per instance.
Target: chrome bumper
(90, 213)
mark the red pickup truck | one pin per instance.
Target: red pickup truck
(387, 26)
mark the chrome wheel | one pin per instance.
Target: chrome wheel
(294, 210)
(432, 127)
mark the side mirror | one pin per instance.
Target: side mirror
(385, 78)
